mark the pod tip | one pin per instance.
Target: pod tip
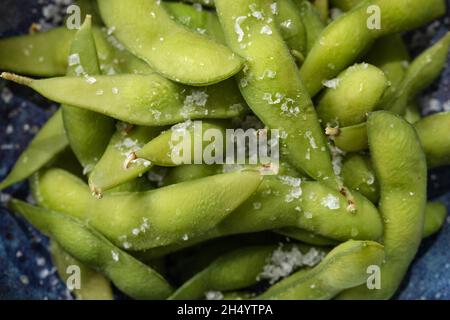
(16, 78)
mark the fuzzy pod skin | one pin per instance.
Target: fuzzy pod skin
(112, 170)
(148, 100)
(433, 133)
(93, 285)
(88, 132)
(422, 72)
(154, 218)
(45, 146)
(238, 269)
(88, 246)
(355, 93)
(400, 167)
(337, 48)
(344, 267)
(273, 88)
(179, 54)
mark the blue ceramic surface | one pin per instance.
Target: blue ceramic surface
(26, 271)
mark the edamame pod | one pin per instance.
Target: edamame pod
(336, 49)
(400, 167)
(146, 29)
(352, 95)
(289, 22)
(433, 132)
(112, 170)
(85, 244)
(201, 21)
(165, 151)
(34, 54)
(435, 214)
(37, 54)
(392, 57)
(284, 202)
(143, 220)
(88, 132)
(358, 174)
(245, 267)
(93, 285)
(271, 85)
(314, 25)
(344, 267)
(49, 142)
(351, 139)
(422, 72)
(148, 100)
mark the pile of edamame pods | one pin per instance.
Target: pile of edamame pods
(346, 212)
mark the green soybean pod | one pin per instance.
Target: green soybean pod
(336, 50)
(88, 132)
(435, 215)
(322, 7)
(272, 87)
(314, 25)
(235, 270)
(243, 268)
(358, 174)
(89, 7)
(422, 72)
(344, 267)
(41, 54)
(48, 143)
(400, 167)
(93, 285)
(433, 133)
(112, 169)
(289, 22)
(113, 58)
(199, 20)
(154, 218)
(147, 100)
(412, 113)
(167, 150)
(392, 57)
(179, 54)
(85, 244)
(352, 95)
(352, 138)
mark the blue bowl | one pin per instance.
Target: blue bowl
(26, 271)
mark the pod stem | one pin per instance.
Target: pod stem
(17, 79)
